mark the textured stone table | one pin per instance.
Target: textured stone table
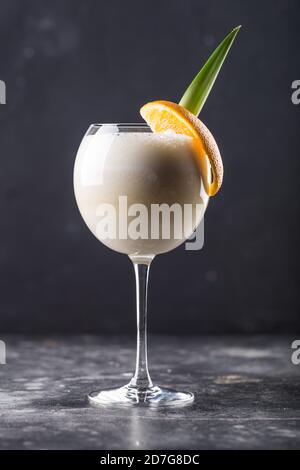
(247, 393)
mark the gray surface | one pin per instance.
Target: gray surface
(247, 394)
(72, 62)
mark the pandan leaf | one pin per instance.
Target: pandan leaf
(198, 91)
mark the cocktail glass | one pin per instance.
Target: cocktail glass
(118, 162)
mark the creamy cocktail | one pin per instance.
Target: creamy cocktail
(150, 182)
(142, 190)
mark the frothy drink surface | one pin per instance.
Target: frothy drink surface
(141, 168)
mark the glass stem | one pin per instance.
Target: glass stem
(141, 378)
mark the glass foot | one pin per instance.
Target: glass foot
(132, 396)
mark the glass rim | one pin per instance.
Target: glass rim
(118, 128)
(119, 124)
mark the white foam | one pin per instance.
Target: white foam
(168, 139)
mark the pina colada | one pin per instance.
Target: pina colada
(142, 189)
(140, 193)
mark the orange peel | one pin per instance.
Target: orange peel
(166, 115)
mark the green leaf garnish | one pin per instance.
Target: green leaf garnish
(198, 91)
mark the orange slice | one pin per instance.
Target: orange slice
(165, 115)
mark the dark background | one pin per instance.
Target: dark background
(69, 63)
